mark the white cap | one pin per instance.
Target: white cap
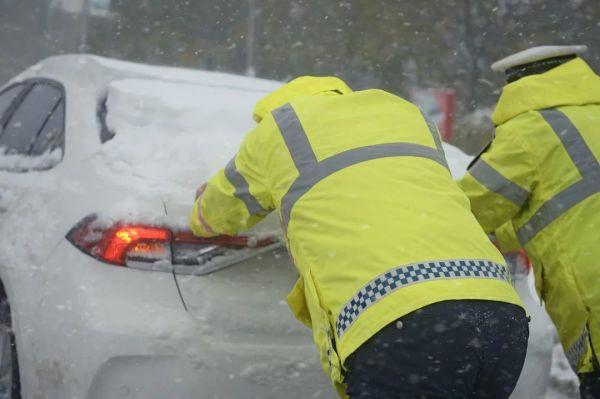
(536, 54)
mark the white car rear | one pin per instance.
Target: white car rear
(137, 141)
(110, 296)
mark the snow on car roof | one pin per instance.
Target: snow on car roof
(100, 70)
(174, 133)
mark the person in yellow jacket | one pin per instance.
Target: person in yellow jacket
(403, 290)
(541, 177)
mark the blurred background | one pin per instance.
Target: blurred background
(407, 47)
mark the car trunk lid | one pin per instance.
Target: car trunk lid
(241, 294)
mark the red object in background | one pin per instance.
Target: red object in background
(525, 259)
(519, 256)
(437, 104)
(446, 100)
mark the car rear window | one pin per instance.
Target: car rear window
(32, 125)
(51, 135)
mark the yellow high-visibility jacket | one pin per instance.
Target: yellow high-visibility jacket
(374, 223)
(541, 176)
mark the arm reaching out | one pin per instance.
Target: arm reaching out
(236, 198)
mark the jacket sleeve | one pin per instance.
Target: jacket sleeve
(500, 181)
(506, 238)
(237, 197)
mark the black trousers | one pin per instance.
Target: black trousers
(452, 349)
(589, 385)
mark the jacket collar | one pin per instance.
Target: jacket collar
(302, 86)
(572, 83)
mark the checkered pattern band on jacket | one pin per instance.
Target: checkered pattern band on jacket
(414, 273)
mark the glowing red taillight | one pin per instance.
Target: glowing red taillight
(156, 247)
(138, 239)
(118, 242)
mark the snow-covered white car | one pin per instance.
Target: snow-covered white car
(103, 292)
(109, 295)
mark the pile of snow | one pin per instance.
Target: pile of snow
(563, 381)
(183, 75)
(173, 133)
(458, 161)
(20, 163)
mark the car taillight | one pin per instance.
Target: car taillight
(156, 247)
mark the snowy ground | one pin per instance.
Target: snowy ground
(563, 382)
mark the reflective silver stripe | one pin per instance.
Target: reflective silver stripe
(242, 190)
(340, 161)
(572, 141)
(588, 167)
(436, 136)
(295, 137)
(578, 349)
(312, 171)
(414, 273)
(556, 207)
(496, 182)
